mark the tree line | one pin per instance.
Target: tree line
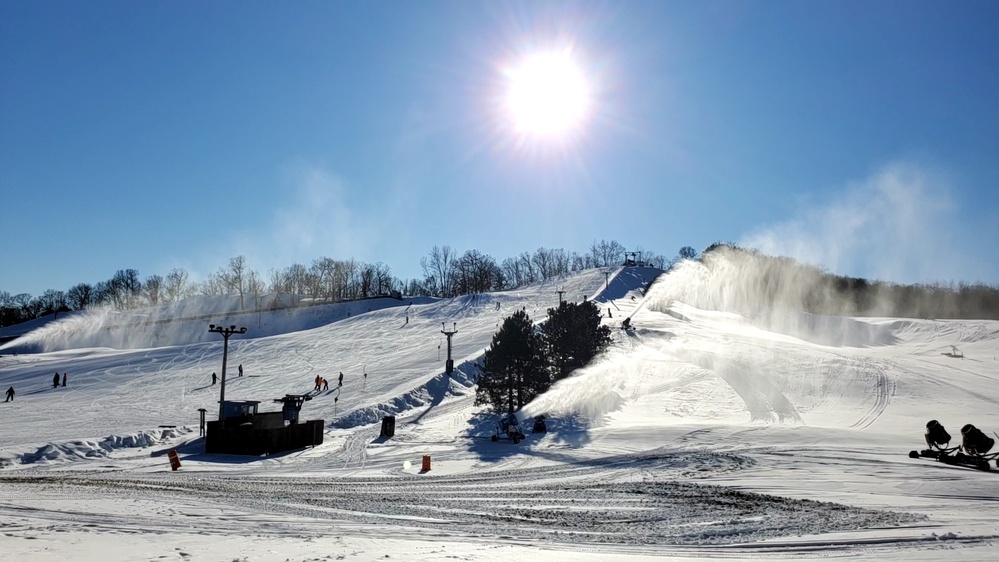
(445, 273)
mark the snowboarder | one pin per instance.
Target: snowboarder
(340, 383)
(240, 369)
(407, 318)
(215, 378)
(326, 384)
(10, 395)
(609, 315)
(55, 381)
(64, 378)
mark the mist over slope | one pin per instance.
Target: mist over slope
(782, 295)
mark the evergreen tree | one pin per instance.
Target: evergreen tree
(513, 371)
(573, 336)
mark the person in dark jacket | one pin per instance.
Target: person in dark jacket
(340, 382)
(64, 375)
(215, 378)
(55, 381)
(10, 395)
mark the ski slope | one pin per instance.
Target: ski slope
(699, 434)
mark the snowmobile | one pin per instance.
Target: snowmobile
(508, 428)
(973, 451)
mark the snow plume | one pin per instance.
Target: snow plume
(179, 323)
(897, 225)
(776, 294)
(590, 393)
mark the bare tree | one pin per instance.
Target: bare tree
(152, 287)
(438, 267)
(606, 253)
(79, 296)
(235, 277)
(176, 285)
(255, 287)
(213, 285)
(687, 253)
(52, 302)
(512, 273)
(383, 278)
(527, 270)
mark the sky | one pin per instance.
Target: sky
(860, 137)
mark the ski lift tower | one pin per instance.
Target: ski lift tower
(449, 366)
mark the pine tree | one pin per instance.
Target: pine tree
(513, 370)
(573, 336)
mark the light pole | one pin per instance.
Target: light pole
(226, 332)
(449, 366)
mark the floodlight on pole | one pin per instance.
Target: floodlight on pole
(449, 366)
(226, 332)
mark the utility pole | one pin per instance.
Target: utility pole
(449, 366)
(226, 332)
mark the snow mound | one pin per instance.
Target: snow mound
(84, 449)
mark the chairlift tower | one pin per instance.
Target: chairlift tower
(560, 292)
(226, 332)
(449, 366)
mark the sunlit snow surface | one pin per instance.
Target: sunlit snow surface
(701, 434)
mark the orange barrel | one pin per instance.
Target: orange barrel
(174, 460)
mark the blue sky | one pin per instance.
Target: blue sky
(860, 136)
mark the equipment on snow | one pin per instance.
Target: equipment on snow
(975, 444)
(508, 428)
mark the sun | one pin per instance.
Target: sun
(548, 95)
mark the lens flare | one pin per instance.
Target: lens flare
(548, 95)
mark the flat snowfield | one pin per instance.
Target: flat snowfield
(697, 435)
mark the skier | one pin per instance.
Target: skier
(64, 378)
(341, 379)
(240, 369)
(326, 384)
(10, 394)
(215, 378)
(319, 382)
(55, 381)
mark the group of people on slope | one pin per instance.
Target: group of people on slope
(57, 381)
(323, 384)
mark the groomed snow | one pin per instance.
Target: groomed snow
(701, 434)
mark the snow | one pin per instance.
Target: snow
(705, 432)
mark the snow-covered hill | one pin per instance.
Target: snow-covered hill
(702, 429)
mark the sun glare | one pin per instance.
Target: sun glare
(548, 95)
